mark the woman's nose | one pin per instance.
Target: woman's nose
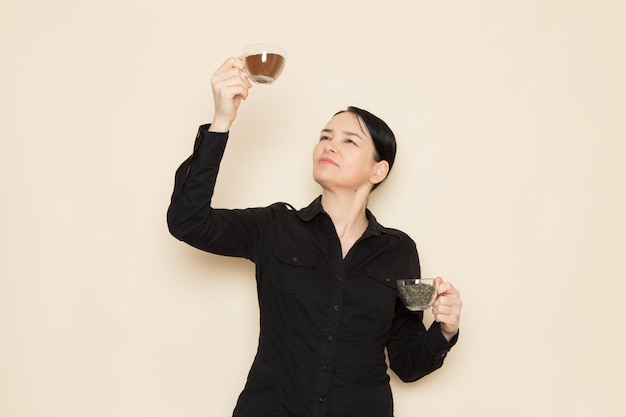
(329, 146)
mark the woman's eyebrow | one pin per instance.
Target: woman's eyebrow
(345, 132)
(348, 133)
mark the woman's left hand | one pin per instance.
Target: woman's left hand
(447, 308)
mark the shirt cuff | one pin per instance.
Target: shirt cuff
(209, 146)
(436, 343)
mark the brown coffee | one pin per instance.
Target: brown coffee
(264, 68)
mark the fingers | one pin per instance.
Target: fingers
(448, 298)
(444, 288)
(231, 69)
(231, 62)
(230, 85)
(229, 80)
(447, 308)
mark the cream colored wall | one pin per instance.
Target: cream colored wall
(510, 177)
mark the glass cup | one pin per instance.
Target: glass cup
(263, 63)
(417, 294)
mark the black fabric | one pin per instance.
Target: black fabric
(325, 321)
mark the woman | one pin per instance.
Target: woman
(325, 274)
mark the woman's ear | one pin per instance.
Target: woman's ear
(381, 169)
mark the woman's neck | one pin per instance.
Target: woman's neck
(347, 212)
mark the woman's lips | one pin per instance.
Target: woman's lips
(328, 161)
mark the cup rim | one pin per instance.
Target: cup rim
(281, 51)
(431, 281)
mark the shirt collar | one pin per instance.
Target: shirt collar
(308, 213)
(312, 210)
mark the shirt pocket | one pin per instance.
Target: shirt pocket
(381, 288)
(296, 270)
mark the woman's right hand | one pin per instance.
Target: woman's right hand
(230, 85)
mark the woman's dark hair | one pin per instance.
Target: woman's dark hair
(383, 137)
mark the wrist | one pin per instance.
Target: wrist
(220, 125)
(448, 335)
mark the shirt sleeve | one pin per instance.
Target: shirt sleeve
(191, 217)
(413, 350)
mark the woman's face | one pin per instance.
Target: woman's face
(344, 156)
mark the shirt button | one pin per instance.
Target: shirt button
(322, 399)
(295, 259)
(336, 307)
(325, 367)
(331, 338)
(339, 278)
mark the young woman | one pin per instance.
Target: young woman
(326, 274)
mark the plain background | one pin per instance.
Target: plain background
(510, 178)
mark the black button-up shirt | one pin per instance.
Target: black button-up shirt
(325, 320)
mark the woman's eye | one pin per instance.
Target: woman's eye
(324, 138)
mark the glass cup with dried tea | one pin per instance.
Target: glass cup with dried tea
(417, 294)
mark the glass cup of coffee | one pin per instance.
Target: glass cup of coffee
(417, 294)
(263, 63)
